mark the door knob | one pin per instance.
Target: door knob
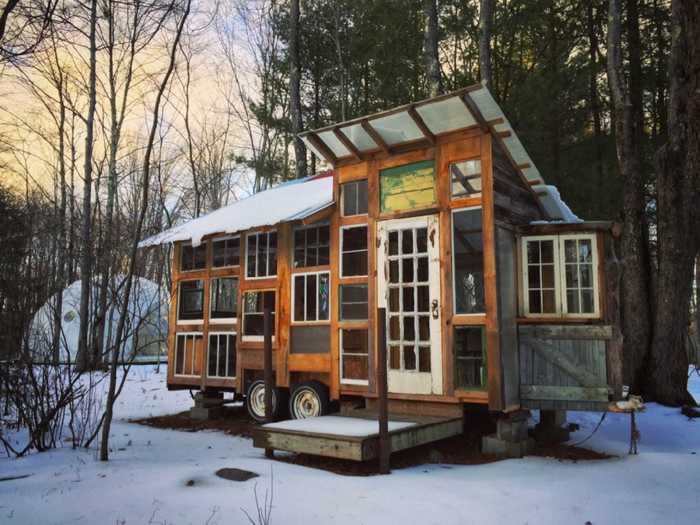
(434, 307)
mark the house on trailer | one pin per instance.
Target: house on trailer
(496, 294)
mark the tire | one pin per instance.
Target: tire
(309, 399)
(255, 402)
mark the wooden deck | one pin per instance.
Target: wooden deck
(313, 437)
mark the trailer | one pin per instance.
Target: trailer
(496, 294)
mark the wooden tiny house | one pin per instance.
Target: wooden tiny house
(495, 293)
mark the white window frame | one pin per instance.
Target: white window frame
(256, 338)
(483, 251)
(342, 199)
(267, 235)
(558, 257)
(218, 355)
(186, 322)
(344, 381)
(316, 321)
(186, 335)
(340, 247)
(224, 320)
(226, 238)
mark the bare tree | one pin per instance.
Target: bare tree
(485, 25)
(295, 90)
(430, 47)
(24, 24)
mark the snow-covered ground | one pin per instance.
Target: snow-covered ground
(147, 479)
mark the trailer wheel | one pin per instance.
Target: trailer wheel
(309, 399)
(255, 401)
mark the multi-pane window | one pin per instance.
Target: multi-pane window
(311, 246)
(354, 198)
(254, 304)
(468, 253)
(261, 255)
(465, 176)
(353, 302)
(193, 258)
(188, 348)
(226, 252)
(470, 370)
(354, 356)
(224, 298)
(559, 276)
(353, 251)
(311, 292)
(191, 300)
(222, 355)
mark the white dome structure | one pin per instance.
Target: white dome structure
(145, 331)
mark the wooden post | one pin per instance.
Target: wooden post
(382, 395)
(267, 365)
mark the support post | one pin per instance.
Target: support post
(382, 395)
(267, 365)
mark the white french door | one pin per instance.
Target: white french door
(408, 280)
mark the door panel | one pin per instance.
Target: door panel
(409, 288)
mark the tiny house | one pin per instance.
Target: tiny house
(496, 294)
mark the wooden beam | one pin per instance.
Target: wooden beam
(524, 166)
(345, 141)
(319, 215)
(322, 148)
(474, 111)
(375, 136)
(535, 182)
(495, 121)
(503, 134)
(569, 393)
(418, 120)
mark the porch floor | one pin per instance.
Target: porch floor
(353, 435)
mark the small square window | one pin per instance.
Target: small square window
(353, 302)
(470, 371)
(311, 246)
(353, 251)
(465, 176)
(261, 255)
(226, 252)
(191, 300)
(224, 298)
(222, 355)
(193, 258)
(354, 198)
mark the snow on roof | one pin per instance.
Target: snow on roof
(290, 201)
(555, 206)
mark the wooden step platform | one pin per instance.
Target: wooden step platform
(353, 435)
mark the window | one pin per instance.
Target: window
(353, 302)
(354, 357)
(193, 258)
(354, 198)
(226, 252)
(468, 261)
(254, 304)
(353, 251)
(407, 187)
(469, 345)
(466, 178)
(188, 348)
(311, 246)
(261, 255)
(191, 303)
(560, 276)
(310, 296)
(222, 354)
(224, 299)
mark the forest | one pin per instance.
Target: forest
(121, 118)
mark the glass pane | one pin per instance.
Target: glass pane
(587, 302)
(446, 115)
(394, 328)
(272, 268)
(547, 276)
(547, 251)
(393, 271)
(422, 240)
(333, 143)
(409, 358)
(355, 367)
(466, 178)
(394, 358)
(407, 241)
(349, 192)
(424, 328)
(179, 360)
(572, 301)
(586, 275)
(213, 355)
(359, 137)
(251, 251)
(570, 251)
(396, 128)
(469, 353)
(231, 356)
(422, 270)
(549, 305)
(222, 355)
(323, 256)
(533, 276)
(468, 262)
(572, 276)
(424, 359)
(224, 297)
(311, 297)
(407, 271)
(354, 239)
(323, 302)
(585, 251)
(423, 298)
(361, 196)
(535, 301)
(393, 299)
(408, 300)
(533, 252)
(252, 302)
(354, 264)
(393, 242)
(200, 256)
(409, 328)
(262, 255)
(299, 287)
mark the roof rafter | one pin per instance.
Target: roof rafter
(418, 120)
(345, 141)
(376, 137)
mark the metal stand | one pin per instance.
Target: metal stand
(382, 395)
(267, 365)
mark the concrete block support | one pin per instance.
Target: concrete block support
(511, 438)
(552, 427)
(207, 405)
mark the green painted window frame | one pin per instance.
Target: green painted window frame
(400, 171)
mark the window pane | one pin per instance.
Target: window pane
(408, 299)
(354, 354)
(299, 288)
(466, 178)
(409, 358)
(323, 297)
(469, 357)
(311, 298)
(254, 304)
(251, 251)
(180, 356)
(468, 262)
(349, 191)
(193, 258)
(226, 252)
(354, 239)
(224, 297)
(191, 300)
(424, 359)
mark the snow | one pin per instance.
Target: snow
(336, 425)
(287, 202)
(146, 479)
(556, 207)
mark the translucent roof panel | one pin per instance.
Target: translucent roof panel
(337, 147)
(397, 128)
(311, 147)
(359, 137)
(446, 115)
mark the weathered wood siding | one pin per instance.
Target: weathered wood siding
(515, 203)
(564, 366)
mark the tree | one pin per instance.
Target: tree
(295, 91)
(635, 289)
(678, 213)
(485, 25)
(430, 48)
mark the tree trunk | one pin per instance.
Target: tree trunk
(430, 48)
(83, 358)
(636, 297)
(593, 91)
(485, 26)
(295, 91)
(678, 189)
